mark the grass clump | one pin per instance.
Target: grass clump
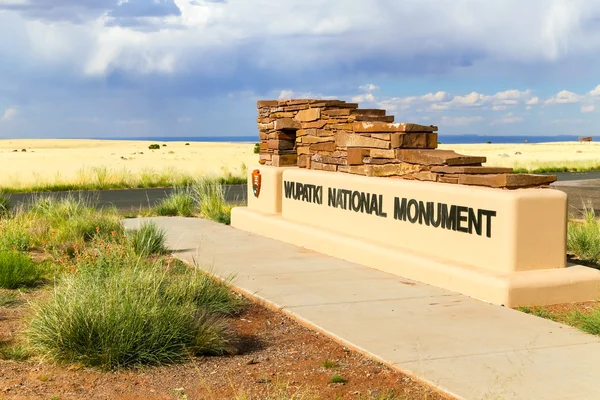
(154, 146)
(17, 270)
(587, 322)
(180, 203)
(149, 239)
(337, 379)
(210, 195)
(8, 299)
(15, 352)
(256, 148)
(5, 205)
(141, 315)
(583, 238)
(328, 364)
(538, 312)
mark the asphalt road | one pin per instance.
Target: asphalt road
(129, 199)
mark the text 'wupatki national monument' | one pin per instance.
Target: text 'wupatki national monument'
(353, 184)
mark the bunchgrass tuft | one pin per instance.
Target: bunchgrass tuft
(583, 238)
(587, 322)
(8, 299)
(5, 206)
(538, 312)
(142, 315)
(181, 203)
(17, 270)
(14, 352)
(210, 195)
(337, 379)
(148, 239)
(330, 364)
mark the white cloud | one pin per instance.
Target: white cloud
(369, 88)
(459, 121)
(588, 108)
(361, 98)
(564, 97)
(499, 108)
(533, 101)
(595, 92)
(509, 118)
(9, 114)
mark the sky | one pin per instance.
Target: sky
(140, 68)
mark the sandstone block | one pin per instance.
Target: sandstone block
(340, 153)
(378, 153)
(448, 179)
(335, 103)
(372, 112)
(316, 165)
(302, 150)
(264, 146)
(437, 157)
(393, 169)
(330, 167)
(426, 176)
(266, 103)
(384, 127)
(309, 115)
(328, 160)
(325, 146)
(266, 127)
(510, 181)
(381, 136)
(281, 115)
(343, 127)
(471, 170)
(296, 108)
(303, 161)
(414, 140)
(355, 169)
(314, 125)
(338, 112)
(301, 132)
(265, 156)
(294, 102)
(373, 118)
(381, 161)
(287, 123)
(356, 155)
(314, 139)
(284, 160)
(283, 135)
(354, 140)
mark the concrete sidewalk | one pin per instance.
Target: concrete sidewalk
(470, 349)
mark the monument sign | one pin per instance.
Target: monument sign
(352, 184)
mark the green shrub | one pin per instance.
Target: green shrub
(8, 299)
(5, 205)
(154, 146)
(14, 236)
(583, 239)
(589, 323)
(257, 148)
(209, 194)
(148, 239)
(180, 203)
(15, 352)
(17, 270)
(126, 318)
(338, 379)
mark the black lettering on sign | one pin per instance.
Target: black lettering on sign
(366, 203)
(303, 192)
(451, 217)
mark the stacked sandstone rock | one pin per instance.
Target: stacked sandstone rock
(332, 135)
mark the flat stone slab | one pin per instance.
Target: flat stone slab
(470, 349)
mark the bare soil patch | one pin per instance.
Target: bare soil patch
(276, 356)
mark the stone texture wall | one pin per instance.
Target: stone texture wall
(332, 135)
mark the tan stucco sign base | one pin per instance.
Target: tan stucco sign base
(502, 246)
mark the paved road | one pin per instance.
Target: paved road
(129, 199)
(465, 347)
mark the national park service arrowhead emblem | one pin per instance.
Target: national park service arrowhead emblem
(256, 181)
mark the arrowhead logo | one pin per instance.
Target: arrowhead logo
(256, 181)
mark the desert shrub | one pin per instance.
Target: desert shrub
(17, 270)
(5, 205)
(583, 239)
(154, 146)
(209, 194)
(148, 239)
(180, 203)
(126, 318)
(257, 148)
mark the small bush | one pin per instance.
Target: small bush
(177, 204)
(589, 323)
(126, 318)
(8, 299)
(15, 353)
(187, 144)
(14, 236)
(148, 239)
(583, 239)
(257, 148)
(5, 205)
(154, 146)
(164, 145)
(17, 270)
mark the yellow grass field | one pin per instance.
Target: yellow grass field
(67, 161)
